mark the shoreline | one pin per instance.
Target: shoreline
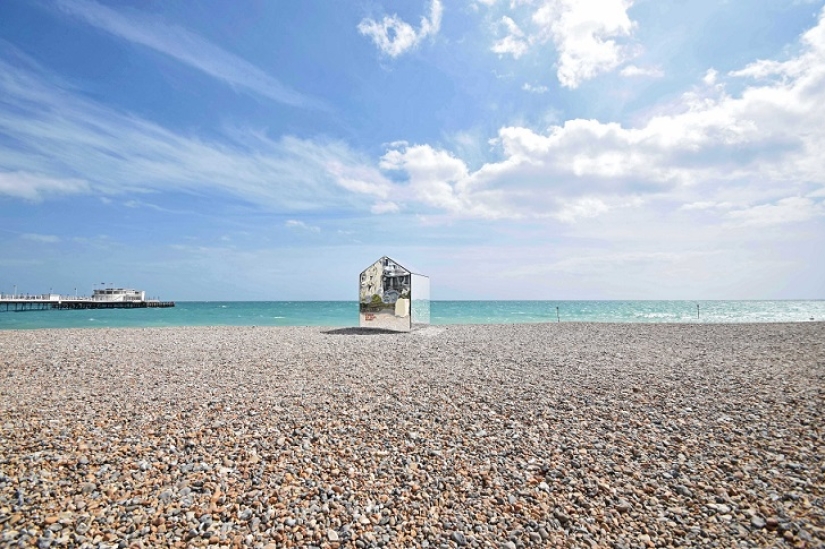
(324, 328)
(508, 435)
(443, 313)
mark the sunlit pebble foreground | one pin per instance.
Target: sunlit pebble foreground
(565, 435)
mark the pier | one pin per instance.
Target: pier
(52, 301)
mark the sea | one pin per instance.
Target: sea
(345, 313)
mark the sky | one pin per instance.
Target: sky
(518, 149)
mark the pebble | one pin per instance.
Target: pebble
(554, 435)
(623, 506)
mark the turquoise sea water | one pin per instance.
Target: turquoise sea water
(345, 313)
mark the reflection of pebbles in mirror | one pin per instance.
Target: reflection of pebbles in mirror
(391, 297)
(385, 320)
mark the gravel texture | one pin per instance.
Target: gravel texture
(553, 435)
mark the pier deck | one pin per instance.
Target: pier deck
(42, 304)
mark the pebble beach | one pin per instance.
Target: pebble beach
(504, 436)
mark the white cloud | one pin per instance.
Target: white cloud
(633, 70)
(587, 36)
(43, 238)
(534, 89)
(710, 77)
(581, 208)
(812, 40)
(787, 210)
(136, 204)
(591, 264)
(760, 146)
(385, 208)
(33, 186)
(709, 153)
(55, 131)
(514, 43)
(186, 47)
(432, 174)
(300, 225)
(584, 32)
(360, 179)
(707, 205)
(394, 36)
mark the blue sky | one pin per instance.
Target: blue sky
(522, 149)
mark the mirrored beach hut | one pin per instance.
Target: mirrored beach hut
(392, 297)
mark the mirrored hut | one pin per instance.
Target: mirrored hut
(392, 297)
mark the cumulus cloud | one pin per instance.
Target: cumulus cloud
(587, 35)
(750, 157)
(432, 174)
(710, 77)
(760, 146)
(514, 42)
(796, 67)
(394, 36)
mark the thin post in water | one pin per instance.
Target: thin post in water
(558, 318)
(697, 310)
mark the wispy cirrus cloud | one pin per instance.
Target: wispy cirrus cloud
(300, 225)
(42, 238)
(633, 70)
(58, 142)
(394, 36)
(186, 47)
(36, 186)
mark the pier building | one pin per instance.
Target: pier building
(102, 298)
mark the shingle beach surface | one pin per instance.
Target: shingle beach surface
(567, 435)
